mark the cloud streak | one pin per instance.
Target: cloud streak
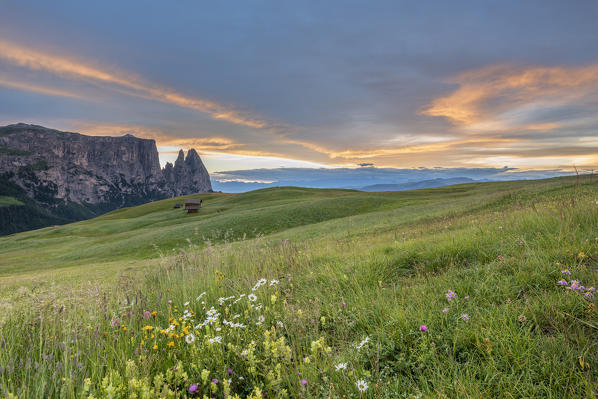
(122, 82)
(486, 96)
(367, 153)
(205, 145)
(38, 89)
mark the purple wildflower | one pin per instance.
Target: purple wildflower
(465, 317)
(147, 315)
(193, 388)
(445, 310)
(575, 286)
(115, 322)
(304, 382)
(466, 297)
(450, 295)
(344, 303)
(566, 271)
(230, 371)
(588, 295)
(423, 328)
(215, 381)
(562, 282)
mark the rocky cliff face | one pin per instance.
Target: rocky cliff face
(58, 169)
(187, 174)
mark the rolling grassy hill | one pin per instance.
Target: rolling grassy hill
(341, 265)
(142, 232)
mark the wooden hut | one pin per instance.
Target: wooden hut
(192, 205)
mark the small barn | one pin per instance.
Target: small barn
(192, 205)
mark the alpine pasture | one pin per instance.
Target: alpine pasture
(480, 290)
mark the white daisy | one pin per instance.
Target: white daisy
(273, 282)
(362, 343)
(341, 366)
(214, 340)
(260, 282)
(362, 386)
(190, 338)
(252, 298)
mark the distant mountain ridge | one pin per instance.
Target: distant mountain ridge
(432, 183)
(62, 176)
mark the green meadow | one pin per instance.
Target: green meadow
(471, 291)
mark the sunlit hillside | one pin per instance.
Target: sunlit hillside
(468, 291)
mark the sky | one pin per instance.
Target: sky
(314, 84)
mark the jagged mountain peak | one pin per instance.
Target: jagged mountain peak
(192, 155)
(181, 157)
(187, 174)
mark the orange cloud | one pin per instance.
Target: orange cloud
(200, 143)
(38, 89)
(485, 93)
(122, 82)
(211, 144)
(410, 149)
(477, 150)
